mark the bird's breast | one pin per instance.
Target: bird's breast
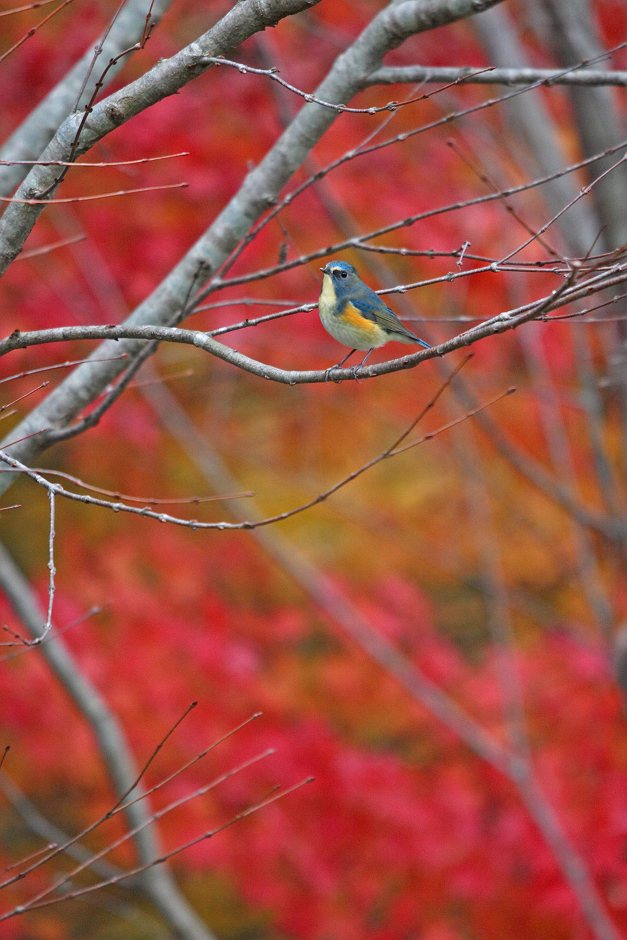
(345, 323)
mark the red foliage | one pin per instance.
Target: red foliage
(405, 831)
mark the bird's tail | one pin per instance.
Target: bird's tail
(406, 336)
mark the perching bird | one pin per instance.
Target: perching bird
(355, 315)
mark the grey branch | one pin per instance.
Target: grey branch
(503, 322)
(156, 882)
(620, 662)
(166, 78)
(49, 832)
(260, 189)
(469, 75)
(74, 90)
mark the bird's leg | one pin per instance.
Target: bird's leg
(339, 365)
(356, 369)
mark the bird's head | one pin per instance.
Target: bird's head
(342, 274)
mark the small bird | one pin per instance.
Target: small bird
(355, 315)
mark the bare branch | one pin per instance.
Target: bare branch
(392, 451)
(164, 79)
(74, 89)
(99, 165)
(44, 829)
(358, 241)
(34, 29)
(503, 322)
(158, 884)
(466, 74)
(92, 196)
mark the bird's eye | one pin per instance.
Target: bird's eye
(343, 273)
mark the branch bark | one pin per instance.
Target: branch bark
(74, 90)
(259, 190)
(156, 882)
(79, 132)
(468, 75)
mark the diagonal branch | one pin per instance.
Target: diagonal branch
(35, 133)
(157, 883)
(260, 188)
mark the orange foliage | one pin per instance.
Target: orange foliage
(405, 832)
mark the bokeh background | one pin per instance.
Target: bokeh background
(453, 570)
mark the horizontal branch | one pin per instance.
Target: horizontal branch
(399, 446)
(501, 323)
(469, 75)
(203, 341)
(92, 196)
(99, 165)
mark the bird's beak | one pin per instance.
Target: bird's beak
(324, 269)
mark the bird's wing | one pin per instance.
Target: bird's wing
(373, 308)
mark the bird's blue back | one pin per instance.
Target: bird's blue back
(360, 295)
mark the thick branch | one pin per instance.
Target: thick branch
(73, 91)
(260, 189)
(574, 36)
(534, 136)
(166, 78)
(157, 882)
(468, 75)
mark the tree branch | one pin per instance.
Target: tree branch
(74, 89)
(157, 882)
(469, 75)
(259, 190)
(501, 323)
(77, 135)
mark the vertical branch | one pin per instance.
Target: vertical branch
(479, 512)
(572, 33)
(51, 567)
(562, 459)
(536, 140)
(571, 30)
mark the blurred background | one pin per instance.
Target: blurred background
(435, 643)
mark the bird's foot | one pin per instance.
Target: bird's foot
(338, 365)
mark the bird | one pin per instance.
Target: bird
(355, 315)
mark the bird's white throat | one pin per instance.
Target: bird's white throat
(326, 303)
